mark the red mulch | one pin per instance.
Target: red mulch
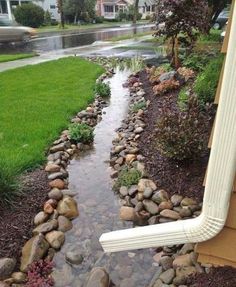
(17, 222)
(185, 178)
(218, 277)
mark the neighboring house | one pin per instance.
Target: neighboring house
(109, 9)
(147, 8)
(7, 6)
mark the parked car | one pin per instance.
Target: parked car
(12, 32)
(221, 20)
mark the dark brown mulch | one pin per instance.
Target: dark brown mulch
(185, 178)
(218, 277)
(17, 222)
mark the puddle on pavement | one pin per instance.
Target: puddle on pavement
(99, 208)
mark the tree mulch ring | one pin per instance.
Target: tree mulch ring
(185, 178)
(16, 223)
(218, 277)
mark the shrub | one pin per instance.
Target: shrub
(165, 86)
(183, 98)
(102, 89)
(99, 19)
(127, 177)
(29, 15)
(81, 133)
(47, 18)
(38, 274)
(207, 81)
(139, 106)
(181, 135)
(185, 73)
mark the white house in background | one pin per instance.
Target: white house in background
(7, 6)
(147, 7)
(109, 9)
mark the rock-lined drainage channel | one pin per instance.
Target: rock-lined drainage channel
(89, 174)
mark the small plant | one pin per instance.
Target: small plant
(81, 133)
(165, 86)
(127, 177)
(207, 81)
(183, 98)
(102, 89)
(139, 106)
(186, 73)
(38, 274)
(181, 134)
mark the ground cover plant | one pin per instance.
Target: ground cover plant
(36, 103)
(13, 57)
(207, 81)
(127, 177)
(81, 133)
(102, 89)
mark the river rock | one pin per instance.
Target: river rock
(98, 278)
(51, 167)
(167, 76)
(130, 158)
(160, 196)
(64, 224)
(49, 206)
(153, 220)
(147, 192)
(3, 284)
(68, 207)
(133, 190)
(124, 190)
(182, 261)
(46, 227)
(57, 183)
(33, 250)
(165, 205)
(56, 194)
(7, 265)
(40, 218)
(185, 212)
(127, 213)
(184, 272)
(55, 239)
(56, 148)
(74, 257)
(166, 262)
(118, 149)
(167, 276)
(19, 277)
(176, 199)
(146, 183)
(151, 206)
(56, 175)
(188, 202)
(170, 214)
(187, 247)
(138, 130)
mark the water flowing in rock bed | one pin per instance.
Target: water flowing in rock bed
(99, 208)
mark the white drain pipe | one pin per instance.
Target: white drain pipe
(221, 172)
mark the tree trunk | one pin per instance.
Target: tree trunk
(135, 11)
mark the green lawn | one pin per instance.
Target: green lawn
(13, 57)
(37, 102)
(105, 24)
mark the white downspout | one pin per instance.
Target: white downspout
(220, 176)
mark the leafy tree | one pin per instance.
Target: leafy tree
(178, 18)
(29, 14)
(215, 7)
(80, 10)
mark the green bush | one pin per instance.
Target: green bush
(207, 81)
(127, 177)
(139, 106)
(181, 134)
(99, 19)
(29, 15)
(81, 133)
(102, 89)
(183, 98)
(197, 61)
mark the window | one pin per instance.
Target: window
(108, 9)
(52, 6)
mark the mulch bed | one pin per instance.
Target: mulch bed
(218, 277)
(185, 178)
(17, 222)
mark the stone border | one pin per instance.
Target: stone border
(144, 204)
(61, 208)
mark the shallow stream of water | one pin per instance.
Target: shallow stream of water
(99, 208)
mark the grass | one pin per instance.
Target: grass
(130, 36)
(37, 102)
(213, 37)
(12, 57)
(57, 28)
